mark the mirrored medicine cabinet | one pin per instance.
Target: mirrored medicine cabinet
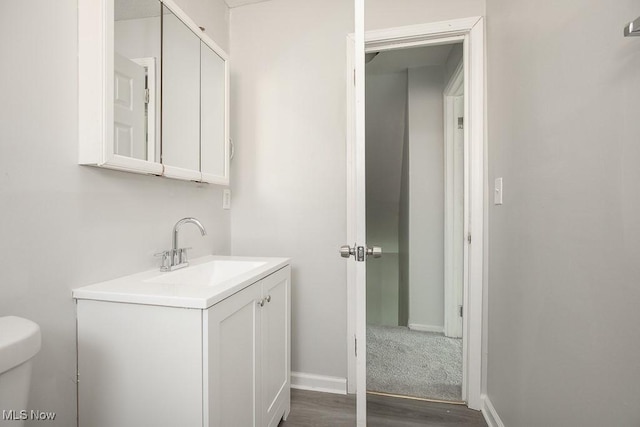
(153, 91)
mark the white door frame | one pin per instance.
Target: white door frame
(471, 32)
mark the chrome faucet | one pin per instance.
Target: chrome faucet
(176, 257)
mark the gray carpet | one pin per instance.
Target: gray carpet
(412, 363)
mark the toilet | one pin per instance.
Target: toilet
(19, 342)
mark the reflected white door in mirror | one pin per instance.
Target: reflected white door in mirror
(153, 91)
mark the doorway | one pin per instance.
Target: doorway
(415, 213)
(470, 32)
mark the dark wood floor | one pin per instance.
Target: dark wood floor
(313, 409)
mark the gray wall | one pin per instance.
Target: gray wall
(396, 13)
(289, 177)
(416, 93)
(62, 225)
(426, 197)
(386, 103)
(288, 109)
(564, 121)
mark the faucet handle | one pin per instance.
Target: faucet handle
(166, 259)
(183, 255)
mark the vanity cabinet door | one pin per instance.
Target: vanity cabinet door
(233, 347)
(275, 347)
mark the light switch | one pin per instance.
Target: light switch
(497, 192)
(226, 199)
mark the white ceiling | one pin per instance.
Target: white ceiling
(236, 3)
(392, 61)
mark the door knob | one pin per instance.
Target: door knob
(359, 252)
(374, 251)
(346, 251)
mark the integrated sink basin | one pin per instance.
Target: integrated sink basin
(204, 282)
(211, 273)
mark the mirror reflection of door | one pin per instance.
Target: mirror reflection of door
(129, 109)
(137, 55)
(415, 192)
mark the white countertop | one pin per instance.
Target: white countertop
(154, 287)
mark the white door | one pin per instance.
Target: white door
(458, 213)
(454, 215)
(128, 112)
(471, 32)
(357, 232)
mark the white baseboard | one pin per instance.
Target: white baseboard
(323, 383)
(426, 328)
(489, 413)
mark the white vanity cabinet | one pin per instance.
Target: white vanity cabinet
(152, 365)
(253, 325)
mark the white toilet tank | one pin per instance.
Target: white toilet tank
(19, 341)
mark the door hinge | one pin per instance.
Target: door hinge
(460, 310)
(469, 238)
(460, 122)
(146, 96)
(354, 76)
(355, 346)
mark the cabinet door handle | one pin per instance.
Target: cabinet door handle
(261, 302)
(268, 298)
